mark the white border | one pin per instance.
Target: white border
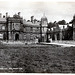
(38, 73)
(42, 0)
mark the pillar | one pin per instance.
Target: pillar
(55, 35)
(9, 35)
(60, 35)
(9, 31)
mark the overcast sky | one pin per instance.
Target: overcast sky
(54, 11)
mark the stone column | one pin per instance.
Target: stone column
(60, 35)
(9, 31)
(9, 35)
(55, 37)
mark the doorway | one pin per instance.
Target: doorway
(16, 37)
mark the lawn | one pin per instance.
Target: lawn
(37, 59)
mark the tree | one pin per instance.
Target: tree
(68, 33)
(50, 24)
(62, 22)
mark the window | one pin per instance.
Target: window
(3, 27)
(31, 37)
(13, 25)
(24, 29)
(37, 28)
(1, 36)
(17, 26)
(25, 36)
(31, 29)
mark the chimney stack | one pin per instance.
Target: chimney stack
(32, 19)
(6, 14)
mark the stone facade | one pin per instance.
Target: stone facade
(2, 28)
(31, 31)
(44, 24)
(17, 29)
(14, 25)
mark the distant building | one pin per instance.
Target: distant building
(18, 29)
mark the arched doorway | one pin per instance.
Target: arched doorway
(16, 37)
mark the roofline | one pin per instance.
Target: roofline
(26, 25)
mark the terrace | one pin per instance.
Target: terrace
(57, 43)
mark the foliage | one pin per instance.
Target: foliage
(62, 22)
(68, 34)
(50, 24)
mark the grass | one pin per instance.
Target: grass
(37, 59)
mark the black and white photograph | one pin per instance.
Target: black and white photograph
(37, 36)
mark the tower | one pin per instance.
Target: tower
(44, 20)
(44, 23)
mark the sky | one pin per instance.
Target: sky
(54, 10)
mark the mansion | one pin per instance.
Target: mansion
(18, 29)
